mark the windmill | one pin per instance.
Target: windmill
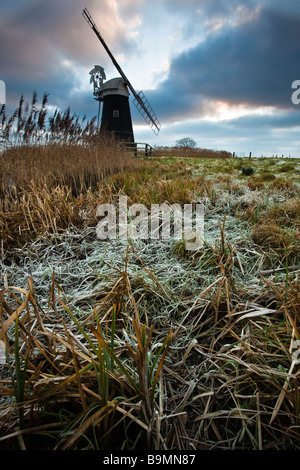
(114, 94)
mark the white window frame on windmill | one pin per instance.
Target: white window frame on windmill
(116, 113)
(2, 92)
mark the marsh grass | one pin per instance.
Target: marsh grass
(214, 371)
(29, 125)
(76, 167)
(48, 173)
(74, 386)
(144, 344)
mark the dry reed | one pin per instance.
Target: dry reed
(143, 344)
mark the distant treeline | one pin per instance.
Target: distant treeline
(192, 152)
(29, 125)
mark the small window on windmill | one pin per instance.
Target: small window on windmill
(116, 113)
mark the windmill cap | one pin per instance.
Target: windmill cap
(115, 86)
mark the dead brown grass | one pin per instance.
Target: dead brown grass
(45, 189)
(78, 167)
(225, 381)
(187, 152)
(278, 228)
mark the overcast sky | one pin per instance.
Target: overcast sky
(218, 71)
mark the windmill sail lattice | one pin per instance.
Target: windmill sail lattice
(140, 101)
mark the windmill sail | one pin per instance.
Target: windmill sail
(140, 101)
(142, 104)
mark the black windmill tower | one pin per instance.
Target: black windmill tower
(114, 96)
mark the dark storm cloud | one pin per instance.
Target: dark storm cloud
(40, 31)
(253, 63)
(43, 45)
(282, 119)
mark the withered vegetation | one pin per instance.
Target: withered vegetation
(142, 344)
